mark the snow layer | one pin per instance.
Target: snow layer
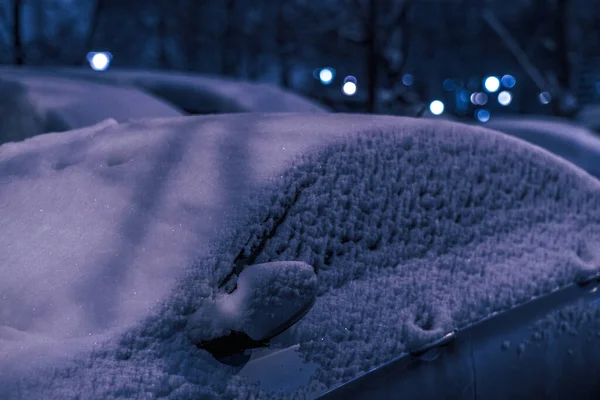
(199, 94)
(60, 104)
(112, 236)
(572, 142)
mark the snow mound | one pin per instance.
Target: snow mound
(199, 94)
(59, 104)
(114, 236)
(572, 142)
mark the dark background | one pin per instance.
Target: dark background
(376, 41)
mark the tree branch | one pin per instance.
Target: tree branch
(513, 46)
(19, 57)
(93, 28)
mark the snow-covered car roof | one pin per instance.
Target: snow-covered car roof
(113, 235)
(201, 94)
(570, 141)
(58, 103)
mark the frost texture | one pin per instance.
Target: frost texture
(415, 228)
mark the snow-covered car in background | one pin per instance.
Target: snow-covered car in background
(35, 101)
(199, 94)
(126, 248)
(570, 141)
(41, 100)
(589, 116)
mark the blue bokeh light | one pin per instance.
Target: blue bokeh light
(483, 115)
(449, 85)
(508, 81)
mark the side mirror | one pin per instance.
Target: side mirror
(268, 299)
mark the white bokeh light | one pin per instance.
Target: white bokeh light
(326, 76)
(436, 107)
(481, 98)
(349, 88)
(504, 98)
(491, 84)
(473, 98)
(99, 61)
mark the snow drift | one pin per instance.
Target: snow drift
(572, 142)
(114, 235)
(34, 102)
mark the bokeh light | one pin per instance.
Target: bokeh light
(436, 107)
(449, 85)
(491, 84)
(504, 98)
(326, 76)
(349, 88)
(508, 81)
(483, 115)
(545, 97)
(99, 61)
(479, 98)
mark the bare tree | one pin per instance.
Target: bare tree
(563, 64)
(19, 55)
(300, 27)
(371, 25)
(282, 39)
(94, 19)
(380, 23)
(228, 39)
(395, 49)
(4, 34)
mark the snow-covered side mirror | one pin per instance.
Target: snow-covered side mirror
(269, 298)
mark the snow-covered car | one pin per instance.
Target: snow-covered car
(444, 260)
(200, 94)
(571, 141)
(35, 101)
(41, 100)
(589, 116)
